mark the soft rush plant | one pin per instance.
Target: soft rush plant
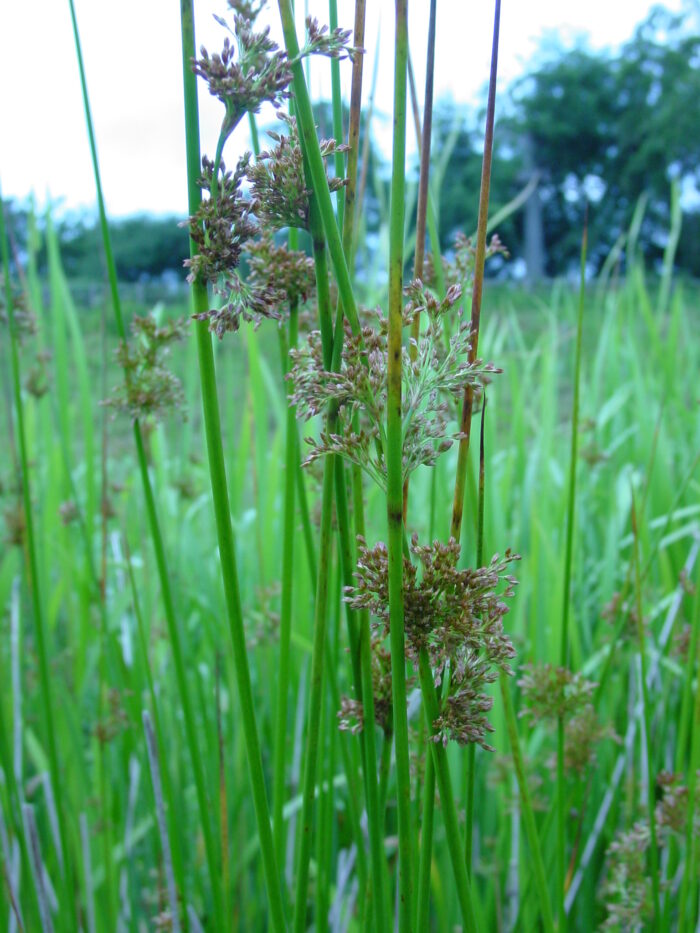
(373, 798)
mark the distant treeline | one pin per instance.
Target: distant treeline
(611, 130)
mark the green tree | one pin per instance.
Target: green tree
(607, 127)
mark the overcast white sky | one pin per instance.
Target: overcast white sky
(133, 63)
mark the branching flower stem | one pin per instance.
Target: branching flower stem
(224, 528)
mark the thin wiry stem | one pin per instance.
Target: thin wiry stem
(477, 288)
(154, 765)
(471, 752)
(394, 459)
(363, 663)
(290, 466)
(422, 208)
(152, 515)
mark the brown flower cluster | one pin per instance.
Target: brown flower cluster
(290, 272)
(460, 270)
(249, 71)
(550, 692)
(437, 375)
(22, 315)
(319, 41)
(278, 182)
(149, 390)
(627, 888)
(222, 225)
(455, 615)
(351, 716)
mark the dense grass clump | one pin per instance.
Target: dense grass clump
(348, 618)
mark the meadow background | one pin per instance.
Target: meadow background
(100, 828)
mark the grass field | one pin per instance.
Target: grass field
(145, 784)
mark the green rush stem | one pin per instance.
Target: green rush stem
(361, 659)
(394, 464)
(651, 783)
(422, 209)
(361, 652)
(384, 772)
(292, 479)
(566, 595)
(317, 172)
(222, 511)
(154, 526)
(331, 357)
(337, 114)
(33, 573)
(305, 825)
(471, 751)
(477, 288)
(424, 138)
(281, 714)
(689, 869)
(444, 782)
(173, 829)
(425, 860)
(526, 805)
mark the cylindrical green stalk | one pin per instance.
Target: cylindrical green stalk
(317, 171)
(568, 558)
(154, 526)
(526, 805)
(217, 473)
(337, 112)
(424, 141)
(471, 752)
(315, 688)
(444, 782)
(394, 463)
(290, 479)
(425, 859)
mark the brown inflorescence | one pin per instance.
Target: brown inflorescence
(456, 616)
(437, 375)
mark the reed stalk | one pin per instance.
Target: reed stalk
(151, 512)
(219, 487)
(394, 464)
